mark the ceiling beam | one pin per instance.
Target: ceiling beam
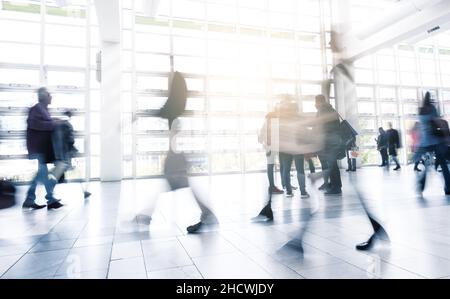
(425, 21)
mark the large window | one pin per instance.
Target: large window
(237, 56)
(391, 85)
(42, 44)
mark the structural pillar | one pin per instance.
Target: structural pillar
(109, 20)
(110, 122)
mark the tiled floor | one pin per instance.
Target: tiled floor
(96, 239)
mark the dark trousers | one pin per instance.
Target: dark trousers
(41, 177)
(270, 168)
(441, 151)
(282, 169)
(311, 166)
(299, 161)
(384, 157)
(335, 175)
(324, 164)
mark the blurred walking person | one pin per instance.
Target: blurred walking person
(332, 142)
(265, 138)
(415, 137)
(40, 127)
(393, 140)
(175, 165)
(434, 135)
(382, 147)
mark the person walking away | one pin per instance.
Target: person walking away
(434, 139)
(382, 145)
(393, 139)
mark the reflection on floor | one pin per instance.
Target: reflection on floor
(95, 239)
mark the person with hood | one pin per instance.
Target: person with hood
(433, 133)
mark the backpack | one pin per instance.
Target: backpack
(7, 194)
(348, 136)
(440, 129)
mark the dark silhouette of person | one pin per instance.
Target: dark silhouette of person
(176, 166)
(393, 138)
(332, 140)
(40, 126)
(63, 138)
(382, 146)
(176, 102)
(433, 140)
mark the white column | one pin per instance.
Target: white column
(109, 21)
(345, 89)
(110, 128)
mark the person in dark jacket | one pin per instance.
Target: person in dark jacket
(432, 142)
(330, 124)
(40, 126)
(63, 146)
(176, 165)
(382, 145)
(393, 140)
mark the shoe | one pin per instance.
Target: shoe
(55, 205)
(382, 165)
(333, 192)
(266, 214)
(32, 206)
(366, 245)
(52, 199)
(87, 194)
(348, 170)
(304, 195)
(290, 194)
(380, 234)
(417, 169)
(295, 244)
(397, 168)
(194, 228)
(324, 186)
(275, 190)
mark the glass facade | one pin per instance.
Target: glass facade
(48, 46)
(392, 82)
(238, 58)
